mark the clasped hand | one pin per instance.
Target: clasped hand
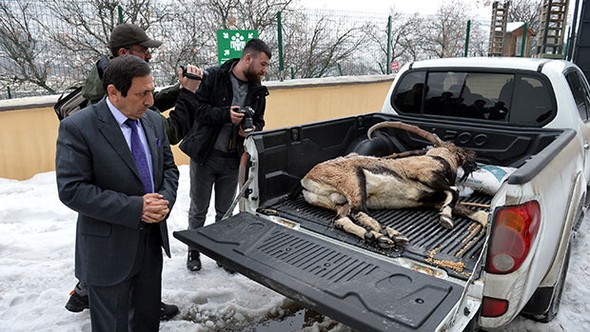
(155, 208)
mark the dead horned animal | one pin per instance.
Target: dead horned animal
(350, 185)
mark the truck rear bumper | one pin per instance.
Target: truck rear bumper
(359, 290)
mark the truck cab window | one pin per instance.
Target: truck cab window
(505, 97)
(473, 95)
(409, 95)
(580, 93)
(534, 101)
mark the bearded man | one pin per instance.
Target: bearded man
(214, 141)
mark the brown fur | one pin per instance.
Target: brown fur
(352, 184)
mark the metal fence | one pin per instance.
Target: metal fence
(70, 67)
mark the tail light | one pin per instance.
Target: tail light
(244, 169)
(492, 307)
(513, 232)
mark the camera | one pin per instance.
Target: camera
(191, 75)
(247, 124)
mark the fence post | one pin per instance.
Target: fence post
(120, 11)
(524, 35)
(566, 49)
(280, 41)
(467, 37)
(387, 66)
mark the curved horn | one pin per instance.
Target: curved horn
(432, 138)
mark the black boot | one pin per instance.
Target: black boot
(193, 262)
(167, 311)
(76, 302)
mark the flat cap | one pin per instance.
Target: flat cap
(127, 34)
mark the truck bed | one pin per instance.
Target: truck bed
(288, 245)
(454, 250)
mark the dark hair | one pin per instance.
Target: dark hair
(121, 70)
(115, 50)
(256, 46)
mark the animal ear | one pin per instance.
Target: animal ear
(466, 159)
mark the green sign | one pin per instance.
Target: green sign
(230, 43)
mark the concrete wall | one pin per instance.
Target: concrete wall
(28, 126)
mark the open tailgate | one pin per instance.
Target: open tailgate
(359, 290)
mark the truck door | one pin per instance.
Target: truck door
(581, 92)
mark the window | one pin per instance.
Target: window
(533, 100)
(507, 97)
(580, 92)
(409, 94)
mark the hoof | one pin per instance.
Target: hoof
(382, 241)
(446, 222)
(401, 240)
(369, 237)
(385, 243)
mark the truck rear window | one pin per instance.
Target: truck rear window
(507, 97)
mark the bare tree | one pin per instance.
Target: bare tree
(527, 11)
(92, 21)
(75, 33)
(404, 39)
(20, 60)
(40, 37)
(257, 15)
(326, 46)
(478, 40)
(445, 31)
(188, 38)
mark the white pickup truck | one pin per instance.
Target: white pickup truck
(529, 116)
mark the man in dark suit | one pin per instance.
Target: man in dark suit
(119, 175)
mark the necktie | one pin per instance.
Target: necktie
(140, 156)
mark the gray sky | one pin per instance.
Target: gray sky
(406, 6)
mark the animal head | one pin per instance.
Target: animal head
(457, 156)
(465, 158)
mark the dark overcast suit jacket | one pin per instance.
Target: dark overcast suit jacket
(98, 178)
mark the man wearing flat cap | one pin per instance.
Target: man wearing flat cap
(129, 38)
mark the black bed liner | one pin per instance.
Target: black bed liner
(454, 250)
(362, 291)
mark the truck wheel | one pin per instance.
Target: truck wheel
(548, 297)
(472, 326)
(558, 289)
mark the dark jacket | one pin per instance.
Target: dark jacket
(208, 110)
(97, 177)
(163, 99)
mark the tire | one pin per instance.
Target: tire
(558, 289)
(547, 299)
(472, 326)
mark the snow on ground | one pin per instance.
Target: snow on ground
(37, 235)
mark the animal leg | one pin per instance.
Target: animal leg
(445, 212)
(397, 237)
(477, 216)
(346, 224)
(367, 221)
(328, 201)
(385, 235)
(370, 233)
